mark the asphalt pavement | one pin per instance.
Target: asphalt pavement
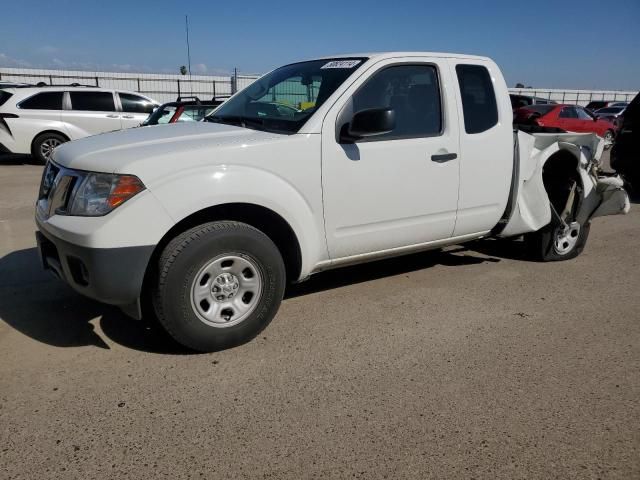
(471, 362)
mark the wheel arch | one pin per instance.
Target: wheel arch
(264, 219)
(559, 168)
(49, 130)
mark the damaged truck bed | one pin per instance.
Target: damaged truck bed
(590, 193)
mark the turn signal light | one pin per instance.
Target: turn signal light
(125, 187)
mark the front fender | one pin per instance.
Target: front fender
(193, 190)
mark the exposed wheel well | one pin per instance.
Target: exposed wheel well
(262, 218)
(558, 175)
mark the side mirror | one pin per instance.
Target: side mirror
(369, 123)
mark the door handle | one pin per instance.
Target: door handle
(111, 115)
(127, 116)
(444, 157)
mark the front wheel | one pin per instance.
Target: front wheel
(219, 285)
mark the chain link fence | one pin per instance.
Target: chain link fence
(160, 87)
(576, 97)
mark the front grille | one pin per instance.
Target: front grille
(55, 189)
(48, 177)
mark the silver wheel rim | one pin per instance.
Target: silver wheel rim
(226, 290)
(46, 147)
(608, 137)
(566, 238)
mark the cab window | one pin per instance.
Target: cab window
(413, 92)
(479, 106)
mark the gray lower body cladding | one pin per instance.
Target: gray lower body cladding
(109, 275)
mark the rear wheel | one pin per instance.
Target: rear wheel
(557, 241)
(564, 237)
(608, 138)
(219, 285)
(44, 144)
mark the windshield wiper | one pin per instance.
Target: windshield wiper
(238, 120)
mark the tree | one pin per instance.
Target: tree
(519, 85)
(183, 70)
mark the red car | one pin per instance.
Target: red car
(572, 118)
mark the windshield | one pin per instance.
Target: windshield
(283, 100)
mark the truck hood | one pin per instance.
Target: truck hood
(117, 151)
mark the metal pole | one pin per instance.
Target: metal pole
(234, 81)
(186, 24)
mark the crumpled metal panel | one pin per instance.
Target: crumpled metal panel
(602, 195)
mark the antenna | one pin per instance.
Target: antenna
(186, 24)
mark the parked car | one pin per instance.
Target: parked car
(609, 112)
(598, 104)
(38, 119)
(571, 118)
(206, 222)
(625, 154)
(615, 115)
(14, 84)
(184, 109)
(518, 101)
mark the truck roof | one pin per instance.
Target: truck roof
(383, 55)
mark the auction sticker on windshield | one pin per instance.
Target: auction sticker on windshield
(341, 64)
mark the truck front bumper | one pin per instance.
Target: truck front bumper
(109, 275)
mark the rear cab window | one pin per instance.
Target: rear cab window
(479, 106)
(43, 101)
(92, 101)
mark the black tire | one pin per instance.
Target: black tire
(179, 265)
(39, 145)
(541, 244)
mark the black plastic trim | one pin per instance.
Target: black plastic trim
(113, 275)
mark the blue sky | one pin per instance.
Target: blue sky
(553, 44)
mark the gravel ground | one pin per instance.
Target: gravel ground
(466, 363)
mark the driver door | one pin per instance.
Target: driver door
(399, 189)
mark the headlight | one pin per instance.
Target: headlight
(97, 194)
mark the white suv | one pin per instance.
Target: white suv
(37, 119)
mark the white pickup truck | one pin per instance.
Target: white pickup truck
(316, 165)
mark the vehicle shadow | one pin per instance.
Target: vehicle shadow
(384, 268)
(12, 159)
(505, 248)
(45, 309)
